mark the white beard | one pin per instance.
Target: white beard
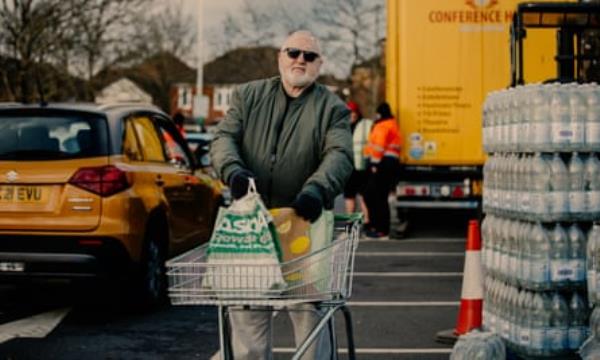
(298, 80)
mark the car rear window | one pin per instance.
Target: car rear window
(51, 137)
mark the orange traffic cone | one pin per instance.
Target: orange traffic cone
(471, 302)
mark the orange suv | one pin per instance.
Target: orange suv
(89, 191)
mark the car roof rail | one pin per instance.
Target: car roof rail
(119, 105)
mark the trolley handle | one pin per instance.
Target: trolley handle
(354, 217)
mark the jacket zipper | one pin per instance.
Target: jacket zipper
(273, 157)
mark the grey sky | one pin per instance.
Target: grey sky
(216, 11)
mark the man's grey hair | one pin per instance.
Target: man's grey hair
(306, 33)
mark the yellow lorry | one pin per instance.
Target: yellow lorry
(442, 58)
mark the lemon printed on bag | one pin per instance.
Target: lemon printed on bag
(285, 227)
(274, 212)
(300, 245)
(293, 277)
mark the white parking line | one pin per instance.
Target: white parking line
(37, 326)
(403, 303)
(409, 274)
(410, 253)
(374, 351)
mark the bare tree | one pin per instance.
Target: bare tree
(170, 30)
(100, 26)
(32, 30)
(350, 28)
(256, 25)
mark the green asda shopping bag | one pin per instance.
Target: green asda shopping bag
(243, 253)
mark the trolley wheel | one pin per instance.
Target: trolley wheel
(152, 280)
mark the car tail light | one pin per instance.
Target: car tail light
(102, 180)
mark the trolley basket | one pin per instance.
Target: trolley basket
(323, 275)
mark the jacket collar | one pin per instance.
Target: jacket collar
(302, 97)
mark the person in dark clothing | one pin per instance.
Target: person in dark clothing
(292, 136)
(383, 150)
(355, 187)
(179, 121)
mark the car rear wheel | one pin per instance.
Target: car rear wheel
(153, 279)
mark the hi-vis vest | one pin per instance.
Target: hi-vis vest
(360, 138)
(385, 140)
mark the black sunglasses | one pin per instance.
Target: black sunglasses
(294, 53)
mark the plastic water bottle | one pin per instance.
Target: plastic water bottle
(577, 252)
(541, 125)
(478, 346)
(501, 301)
(487, 301)
(486, 184)
(526, 109)
(540, 182)
(485, 122)
(526, 320)
(578, 111)
(525, 179)
(513, 315)
(558, 335)
(490, 308)
(578, 319)
(561, 271)
(592, 262)
(525, 253)
(496, 247)
(591, 94)
(540, 258)
(592, 185)
(577, 193)
(516, 96)
(489, 183)
(513, 252)
(509, 184)
(595, 324)
(559, 187)
(562, 133)
(494, 132)
(540, 323)
(486, 243)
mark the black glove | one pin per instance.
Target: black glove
(238, 183)
(308, 206)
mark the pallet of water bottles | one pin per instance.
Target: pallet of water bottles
(541, 256)
(536, 324)
(546, 187)
(543, 117)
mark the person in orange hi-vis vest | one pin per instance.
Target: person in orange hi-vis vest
(383, 152)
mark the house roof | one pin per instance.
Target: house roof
(122, 90)
(242, 65)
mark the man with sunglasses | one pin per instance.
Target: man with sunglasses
(292, 136)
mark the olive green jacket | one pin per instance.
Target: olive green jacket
(312, 151)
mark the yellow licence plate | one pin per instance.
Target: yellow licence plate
(23, 194)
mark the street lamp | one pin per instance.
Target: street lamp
(200, 107)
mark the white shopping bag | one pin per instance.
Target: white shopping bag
(243, 254)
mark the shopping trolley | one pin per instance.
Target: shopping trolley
(323, 277)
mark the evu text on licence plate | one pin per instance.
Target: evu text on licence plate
(24, 193)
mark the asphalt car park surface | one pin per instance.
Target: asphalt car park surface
(405, 291)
